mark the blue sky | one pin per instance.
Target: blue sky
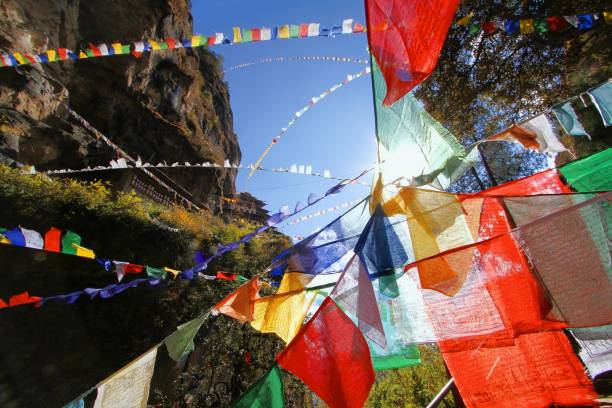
(337, 134)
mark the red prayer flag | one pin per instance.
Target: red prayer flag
(489, 27)
(211, 40)
(358, 28)
(255, 34)
(53, 239)
(226, 276)
(556, 23)
(331, 356)
(171, 43)
(3, 304)
(63, 53)
(240, 304)
(23, 299)
(132, 268)
(95, 50)
(531, 362)
(303, 30)
(406, 38)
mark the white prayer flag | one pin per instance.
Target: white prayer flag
(313, 29)
(266, 34)
(301, 169)
(347, 26)
(32, 238)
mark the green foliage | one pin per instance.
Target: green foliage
(412, 387)
(123, 226)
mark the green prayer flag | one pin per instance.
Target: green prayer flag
(125, 49)
(474, 28)
(2, 230)
(68, 239)
(593, 173)
(242, 279)
(180, 343)
(163, 45)
(413, 144)
(157, 273)
(265, 393)
(247, 35)
(294, 31)
(90, 53)
(541, 25)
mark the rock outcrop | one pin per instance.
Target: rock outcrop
(164, 106)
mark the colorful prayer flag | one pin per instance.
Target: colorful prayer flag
(585, 21)
(512, 26)
(526, 26)
(331, 357)
(536, 134)
(355, 295)
(283, 31)
(283, 313)
(237, 35)
(256, 34)
(156, 273)
(541, 25)
(294, 31)
(266, 392)
(602, 99)
(53, 239)
(464, 21)
(406, 40)
(68, 239)
(32, 238)
(239, 304)
(23, 298)
(51, 54)
(226, 276)
(556, 23)
(313, 29)
(15, 236)
(180, 343)
(266, 34)
(568, 119)
(246, 35)
(347, 26)
(303, 30)
(84, 252)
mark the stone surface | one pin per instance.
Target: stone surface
(164, 106)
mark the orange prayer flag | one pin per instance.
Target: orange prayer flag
(239, 304)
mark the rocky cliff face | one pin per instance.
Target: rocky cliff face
(167, 105)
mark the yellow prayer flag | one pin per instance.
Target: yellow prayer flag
(466, 20)
(174, 272)
(4, 240)
(52, 55)
(608, 16)
(117, 48)
(284, 312)
(19, 58)
(197, 40)
(237, 35)
(437, 222)
(84, 252)
(283, 31)
(155, 45)
(82, 55)
(526, 26)
(376, 196)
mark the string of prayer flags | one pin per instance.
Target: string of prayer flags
(542, 25)
(124, 268)
(180, 343)
(138, 47)
(327, 342)
(313, 101)
(297, 58)
(601, 97)
(568, 119)
(536, 134)
(230, 276)
(406, 39)
(240, 304)
(267, 392)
